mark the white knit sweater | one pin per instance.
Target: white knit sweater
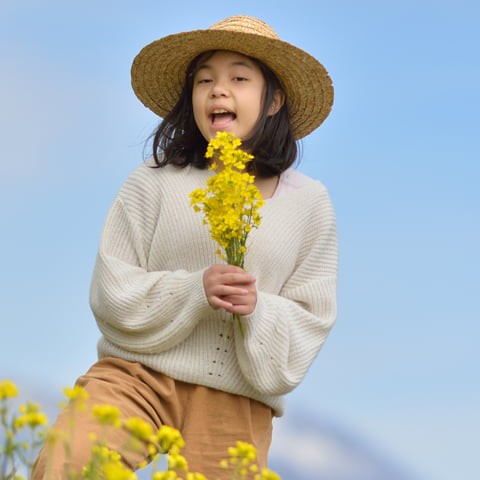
(148, 298)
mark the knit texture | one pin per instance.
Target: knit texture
(148, 298)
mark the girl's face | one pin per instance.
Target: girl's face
(228, 90)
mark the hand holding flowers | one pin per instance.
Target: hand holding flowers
(231, 288)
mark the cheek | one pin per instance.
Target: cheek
(196, 107)
(256, 100)
(194, 102)
(256, 107)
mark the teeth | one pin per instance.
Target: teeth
(219, 110)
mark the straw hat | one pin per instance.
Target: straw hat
(158, 71)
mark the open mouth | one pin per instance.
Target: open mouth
(221, 117)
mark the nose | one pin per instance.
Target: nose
(218, 89)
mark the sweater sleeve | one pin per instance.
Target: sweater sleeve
(285, 332)
(139, 310)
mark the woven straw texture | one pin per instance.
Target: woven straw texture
(158, 71)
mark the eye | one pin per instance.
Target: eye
(239, 78)
(203, 80)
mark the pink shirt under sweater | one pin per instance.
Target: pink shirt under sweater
(290, 179)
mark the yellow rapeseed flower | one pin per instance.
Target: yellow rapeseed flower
(31, 416)
(230, 201)
(171, 475)
(117, 471)
(54, 436)
(195, 476)
(152, 449)
(107, 415)
(177, 462)
(267, 474)
(106, 464)
(139, 428)
(169, 439)
(241, 462)
(77, 397)
(75, 393)
(8, 389)
(243, 451)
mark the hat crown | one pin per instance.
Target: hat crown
(245, 24)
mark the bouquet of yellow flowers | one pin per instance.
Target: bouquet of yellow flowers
(230, 202)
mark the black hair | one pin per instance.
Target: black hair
(178, 141)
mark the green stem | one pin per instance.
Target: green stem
(238, 318)
(9, 447)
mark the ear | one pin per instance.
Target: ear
(277, 102)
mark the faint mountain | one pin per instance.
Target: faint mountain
(306, 447)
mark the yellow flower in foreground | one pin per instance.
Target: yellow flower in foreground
(241, 460)
(243, 453)
(117, 471)
(75, 393)
(267, 474)
(31, 416)
(54, 436)
(195, 476)
(77, 396)
(165, 476)
(169, 439)
(107, 415)
(139, 428)
(8, 389)
(177, 462)
(106, 464)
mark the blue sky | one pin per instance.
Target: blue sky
(399, 153)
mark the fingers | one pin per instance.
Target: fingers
(230, 288)
(245, 308)
(230, 275)
(240, 305)
(227, 280)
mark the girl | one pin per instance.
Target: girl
(160, 296)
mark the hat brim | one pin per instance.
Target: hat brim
(158, 72)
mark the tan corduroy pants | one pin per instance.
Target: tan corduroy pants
(209, 420)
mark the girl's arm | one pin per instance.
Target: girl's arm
(285, 332)
(135, 309)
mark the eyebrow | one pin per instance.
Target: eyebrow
(238, 63)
